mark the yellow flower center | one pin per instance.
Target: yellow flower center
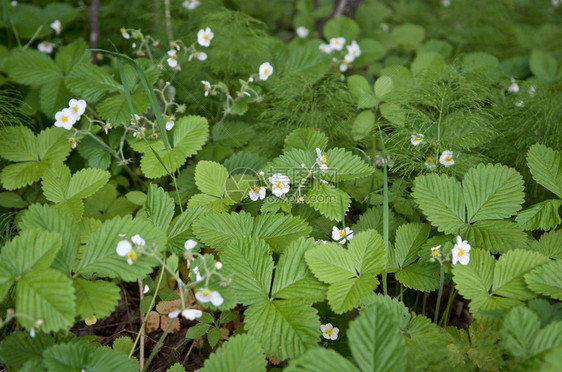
(346, 62)
(329, 332)
(461, 252)
(435, 252)
(448, 158)
(206, 37)
(206, 292)
(255, 188)
(75, 108)
(342, 233)
(279, 184)
(429, 160)
(45, 43)
(64, 119)
(324, 158)
(132, 255)
(418, 138)
(265, 71)
(174, 56)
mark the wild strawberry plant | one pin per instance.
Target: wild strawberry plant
(329, 185)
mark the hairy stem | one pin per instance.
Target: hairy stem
(441, 280)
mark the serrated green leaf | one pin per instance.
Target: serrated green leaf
(100, 254)
(399, 311)
(197, 330)
(72, 55)
(249, 262)
(546, 279)
(509, 273)
(383, 86)
(544, 215)
(181, 228)
(549, 245)
(95, 298)
(18, 143)
(115, 109)
(344, 295)
(123, 345)
(546, 167)
(421, 276)
(328, 200)
(408, 36)
(240, 354)
(544, 66)
(53, 97)
(214, 336)
(31, 67)
(159, 207)
(368, 252)
(495, 236)
(361, 91)
(492, 192)
(217, 229)
(48, 295)
(375, 341)
(19, 347)
(19, 175)
(307, 139)
(330, 263)
(66, 356)
(341, 26)
(475, 279)
(346, 165)
(91, 82)
(210, 178)
(363, 125)
(320, 360)
(177, 367)
(409, 239)
(278, 230)
(286, 328)
(440, 198)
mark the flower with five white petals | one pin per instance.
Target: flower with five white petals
(207, 87)
(204, 37)
(46, 47)
(302, 32)
(191, 314)
(342, 236)
(446, 158)
(346, 62)
(514, 87)
(198, 55)
(173, 60)
(281, 184)
(125, 249)
(430, 163)
(461, 252)
(329, 332)
(265, 70)
(78, 107)
(207, 295)
(189, 244)
(257, 192)
(337, 43)
(325, 48)
(57, 26)
(417, 139)
(138, 240)
(65, 118)
(436, 251)
(354, 49)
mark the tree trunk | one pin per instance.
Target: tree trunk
(346, 8)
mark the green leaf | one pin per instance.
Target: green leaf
(479, 61)
(492, 192)
(159, 207)
(181, 228)
(18, 143)
(217, 229)
(345, 295)
(66, 356)
(409, 239)
(363, 125)
(48, 295)
(375, 341)
(19, 175)
(509, 273)
(214, 336)
(31, 67)
(328, 200)
(240, 354)
(544, 66)
(53, 97)
(546, 167)
(428, 65)
(362, 91)
(421, 276)
(368, 252)
(307, 139)
(115, 109)
(475, 279)
(106, 359)
(549, 245)
(72, 55)
(495, 236)
(544, 215)
(100, 254)
(293, 279)
(441, 200)
(321, 360)
(189, 134)
(197, 330)
(51, 219)
(330, 263)
(91, 82)
(249, 262)
(19, 347)
(341, 26)
(346, 165)
(408, 36)
(123, 345)
(33, 250)
(396, 308)
(546, 279)
(278, 230)
(286, 328)
(210, 178)
(383, 86)
(95, 298)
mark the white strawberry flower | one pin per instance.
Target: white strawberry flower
(138, 240)
(14, 3)
(445, 3)
(78, 107)
(257, 193)
(124, 33)
(519, 103)
(354, 49)
(347, 62)
(321, 160)
(265, 71)
(170, 124)
(207, 87)
(416, 139)
(198, 276)
(57, 26)
(436, 251)
(198, 55)
(430, 163)
(174, 314)
(325, 48)
(218, 265)
(329, 332)
(302, 32)
(189, 244)
(514, 87)
(125, 249)
(446, 158)
(65, 118)
(342, 236)
(205, 36)
(280, 184)
(337, 43)
(46, 47)
(191, 314)
(206, 295)
(190, 4)
(461, 252)
(173, 60)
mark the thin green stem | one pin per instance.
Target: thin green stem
(441, 280)
(385, 211)
(143, 325)
(33, 37)
(445, 317)
(160, 341)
